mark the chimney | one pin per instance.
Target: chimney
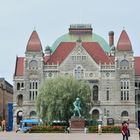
(78, 29)
(111, 38)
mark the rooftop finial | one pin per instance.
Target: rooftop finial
(79, 39)
(123, 28)
(34, 28)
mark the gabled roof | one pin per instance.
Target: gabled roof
(137, 65)
(19, 69)
(61, 53)
(124, 43)
(34, 44)
(92, 48)
(96, 52)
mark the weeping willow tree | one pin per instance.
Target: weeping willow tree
(56, 97)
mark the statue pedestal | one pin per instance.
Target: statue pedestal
(77, 124)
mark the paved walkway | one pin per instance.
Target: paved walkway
(63, 136)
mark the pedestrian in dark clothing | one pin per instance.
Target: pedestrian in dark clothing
(138, 128)
(125, 131)
(139, 133)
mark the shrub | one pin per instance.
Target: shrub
(105, 129)
(92, 129)
(47, 129)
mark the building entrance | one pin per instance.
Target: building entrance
(95, 114)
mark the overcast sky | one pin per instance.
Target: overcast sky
(51, 19)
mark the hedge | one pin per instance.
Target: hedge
(47, 129)
(105, 129)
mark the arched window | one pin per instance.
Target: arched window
(79, 72)
(95, 114)
(95, 93)
(18, 86)
(124, 114)
(20, 100)
(22, 85)
(32, 114)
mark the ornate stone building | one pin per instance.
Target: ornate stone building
(113, 72)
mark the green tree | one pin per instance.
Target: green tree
(56, 97)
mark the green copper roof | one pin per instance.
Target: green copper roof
(85, 38)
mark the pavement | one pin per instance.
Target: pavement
(63, 136)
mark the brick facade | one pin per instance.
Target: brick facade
(6, 96)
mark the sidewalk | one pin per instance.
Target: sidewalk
(63, 136)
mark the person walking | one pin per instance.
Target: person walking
(138, 129)
(125, 131)
(99, 129)
(3, 125)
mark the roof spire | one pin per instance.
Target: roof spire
(34, 44)
(124, 43)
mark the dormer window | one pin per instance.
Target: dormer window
(79, 57)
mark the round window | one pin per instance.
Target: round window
(50, 74)
(107, 74)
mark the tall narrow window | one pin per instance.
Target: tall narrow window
(18, 86)
(33, 95)
(95, 93)
(105, 112)
(125, 86)
(22, 85)
(121, 95)
(20, 99)
(33, 89)
(30, 95)
(136, 84)
(121, 84)
(107, 95)
(79, 72)
(127, 95)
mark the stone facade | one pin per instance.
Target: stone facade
(110, 70)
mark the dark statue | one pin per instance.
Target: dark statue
(77, 107)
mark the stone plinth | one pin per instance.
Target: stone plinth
(77, 124)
